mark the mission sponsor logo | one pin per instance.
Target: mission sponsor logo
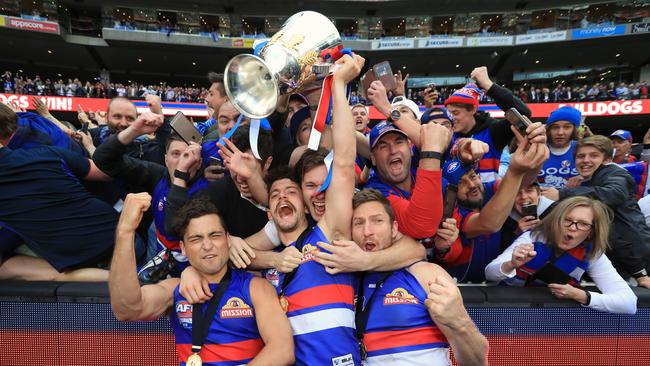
(308, 252)
(399, 296)
(236, 308)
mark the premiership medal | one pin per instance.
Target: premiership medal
(194, 360)
(284, 303)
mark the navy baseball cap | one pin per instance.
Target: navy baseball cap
(380, 130)
(622, 134)
(435, 113)
(453, 170)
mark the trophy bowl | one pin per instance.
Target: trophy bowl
(284, 65)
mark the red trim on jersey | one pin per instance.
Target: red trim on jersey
(234, 351)
(321, 295)
(403, 338)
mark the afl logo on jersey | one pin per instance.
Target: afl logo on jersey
(184, 314)
(161, 205)
(236, 308)
(399, 296)
(308, 252)
(273, 276)
(566, 164)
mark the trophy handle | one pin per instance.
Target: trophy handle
(251, 86)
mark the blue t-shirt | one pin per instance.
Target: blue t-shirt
(36, 131)
(558, 169)
(43, 201)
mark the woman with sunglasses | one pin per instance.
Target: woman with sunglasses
(568, 242)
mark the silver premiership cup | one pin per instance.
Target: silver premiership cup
(254, 83)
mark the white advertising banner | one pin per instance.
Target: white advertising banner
(541, 37)
(490, 41)
(441, 42)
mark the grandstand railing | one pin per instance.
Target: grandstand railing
(48, 323)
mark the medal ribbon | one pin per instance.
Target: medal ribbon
(201, 320)
(254, 133)
(328, 164)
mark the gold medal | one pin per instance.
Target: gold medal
(284, 303)
(194, 360)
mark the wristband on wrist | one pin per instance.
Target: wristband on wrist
(182, 175)
(430, 155)
(588, 298)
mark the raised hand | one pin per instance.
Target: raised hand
(242, 164)
(434, 137)
(482, 78)
(348, 68)
(528, 156)
(430, 97)
(153, 102)
(190, 158)
(400, 83)
(378, 96)
(81, 115)
(135, 205)
(147, 123)
(41, 108)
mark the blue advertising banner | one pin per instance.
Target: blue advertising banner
(598, 32)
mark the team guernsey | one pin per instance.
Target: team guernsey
(320, 309)
(558, 169)
(233, 338)
(400, 331)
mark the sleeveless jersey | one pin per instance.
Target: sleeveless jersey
(400, 331)
(233, 338)
(558, 169)
(159, 200)
(477, 252)
(321, 309)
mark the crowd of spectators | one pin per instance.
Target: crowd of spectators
(543, 204)
(20, 84)
(74, 87)
(542, 93)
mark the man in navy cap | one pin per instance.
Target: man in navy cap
(622, 141)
